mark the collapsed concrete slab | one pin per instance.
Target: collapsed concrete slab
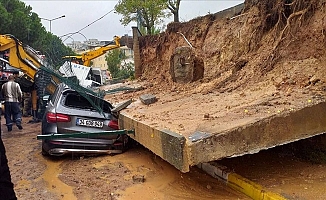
(258, 134)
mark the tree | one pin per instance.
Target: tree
(127, 70)
(5, 19)
(113, 60)
(173, 6)
(117, 70)
(18, 19)
(146, 13)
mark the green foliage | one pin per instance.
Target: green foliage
(154, 30)
(5, 19)
(113, 60)
(54, 50)
(147, 13)
(127, 71)
(119, 71)
(18, 19)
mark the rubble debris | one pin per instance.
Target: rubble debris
(147, 99)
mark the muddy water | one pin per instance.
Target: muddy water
(102, 177)
(163, 181)
(55, 185)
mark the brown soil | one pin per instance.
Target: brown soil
(140, 175)
(136, 174)
(269, 60)
(296, 171)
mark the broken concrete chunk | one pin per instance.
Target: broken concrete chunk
(147, 99)
(121, 106)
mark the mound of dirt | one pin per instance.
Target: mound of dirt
(267, 59)
(243, 50)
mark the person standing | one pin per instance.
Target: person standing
(16, 74)
(7, 191)
(13, 96)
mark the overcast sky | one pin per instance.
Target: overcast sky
(98, 20)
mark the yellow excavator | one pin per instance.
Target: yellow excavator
(86, 58)
(40, 78)
(27, 60)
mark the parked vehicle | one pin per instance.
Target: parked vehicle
(68, 112)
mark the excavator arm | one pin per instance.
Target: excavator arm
(86, 58)
(40, 77)
(27, 60)
(21, 57)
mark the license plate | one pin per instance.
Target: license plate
(89, 123)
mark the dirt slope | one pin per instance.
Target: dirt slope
(268, 60)
(244, 50)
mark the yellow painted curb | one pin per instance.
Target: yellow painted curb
(251, 189)
(239, 183)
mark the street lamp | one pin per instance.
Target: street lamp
(50, 20)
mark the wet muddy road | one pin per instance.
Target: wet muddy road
(135, 174)
(140, 175)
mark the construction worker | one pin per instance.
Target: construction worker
(16, 74)
(26, 98)
(13, 96)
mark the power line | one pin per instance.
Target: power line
(71, 34)
(96, 20)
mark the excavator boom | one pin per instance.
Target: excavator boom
(39, 78)
(21, 56)
(26, 59)
(86, 58)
